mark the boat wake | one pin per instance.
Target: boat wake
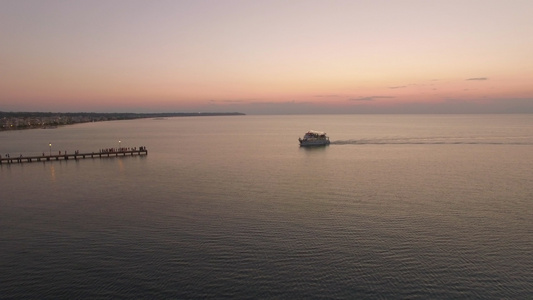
(437, 141)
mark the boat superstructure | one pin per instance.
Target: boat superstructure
(314, 138)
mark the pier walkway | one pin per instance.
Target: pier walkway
(76, 155)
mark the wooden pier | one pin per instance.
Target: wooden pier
(75, 156)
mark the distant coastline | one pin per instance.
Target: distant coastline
(30, 120)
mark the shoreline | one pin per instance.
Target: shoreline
(48, 120)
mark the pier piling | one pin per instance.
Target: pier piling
(75, 156)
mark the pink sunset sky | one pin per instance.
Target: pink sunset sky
(267, 57)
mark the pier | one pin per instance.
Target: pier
(75, 156)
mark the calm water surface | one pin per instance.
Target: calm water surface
(398, 206)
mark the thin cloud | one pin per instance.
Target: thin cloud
(478, 78)
(371, 98)
(397, 87)
(229, 101)
(292, 102)
(332, 95)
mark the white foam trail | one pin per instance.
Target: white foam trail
(435, 141)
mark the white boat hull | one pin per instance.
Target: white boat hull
(304, 143)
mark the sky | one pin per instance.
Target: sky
(267, 57)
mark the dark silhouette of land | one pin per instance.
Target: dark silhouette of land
(27, 120)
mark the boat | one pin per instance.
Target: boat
(314, 138)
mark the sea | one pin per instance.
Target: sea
(230, 207)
